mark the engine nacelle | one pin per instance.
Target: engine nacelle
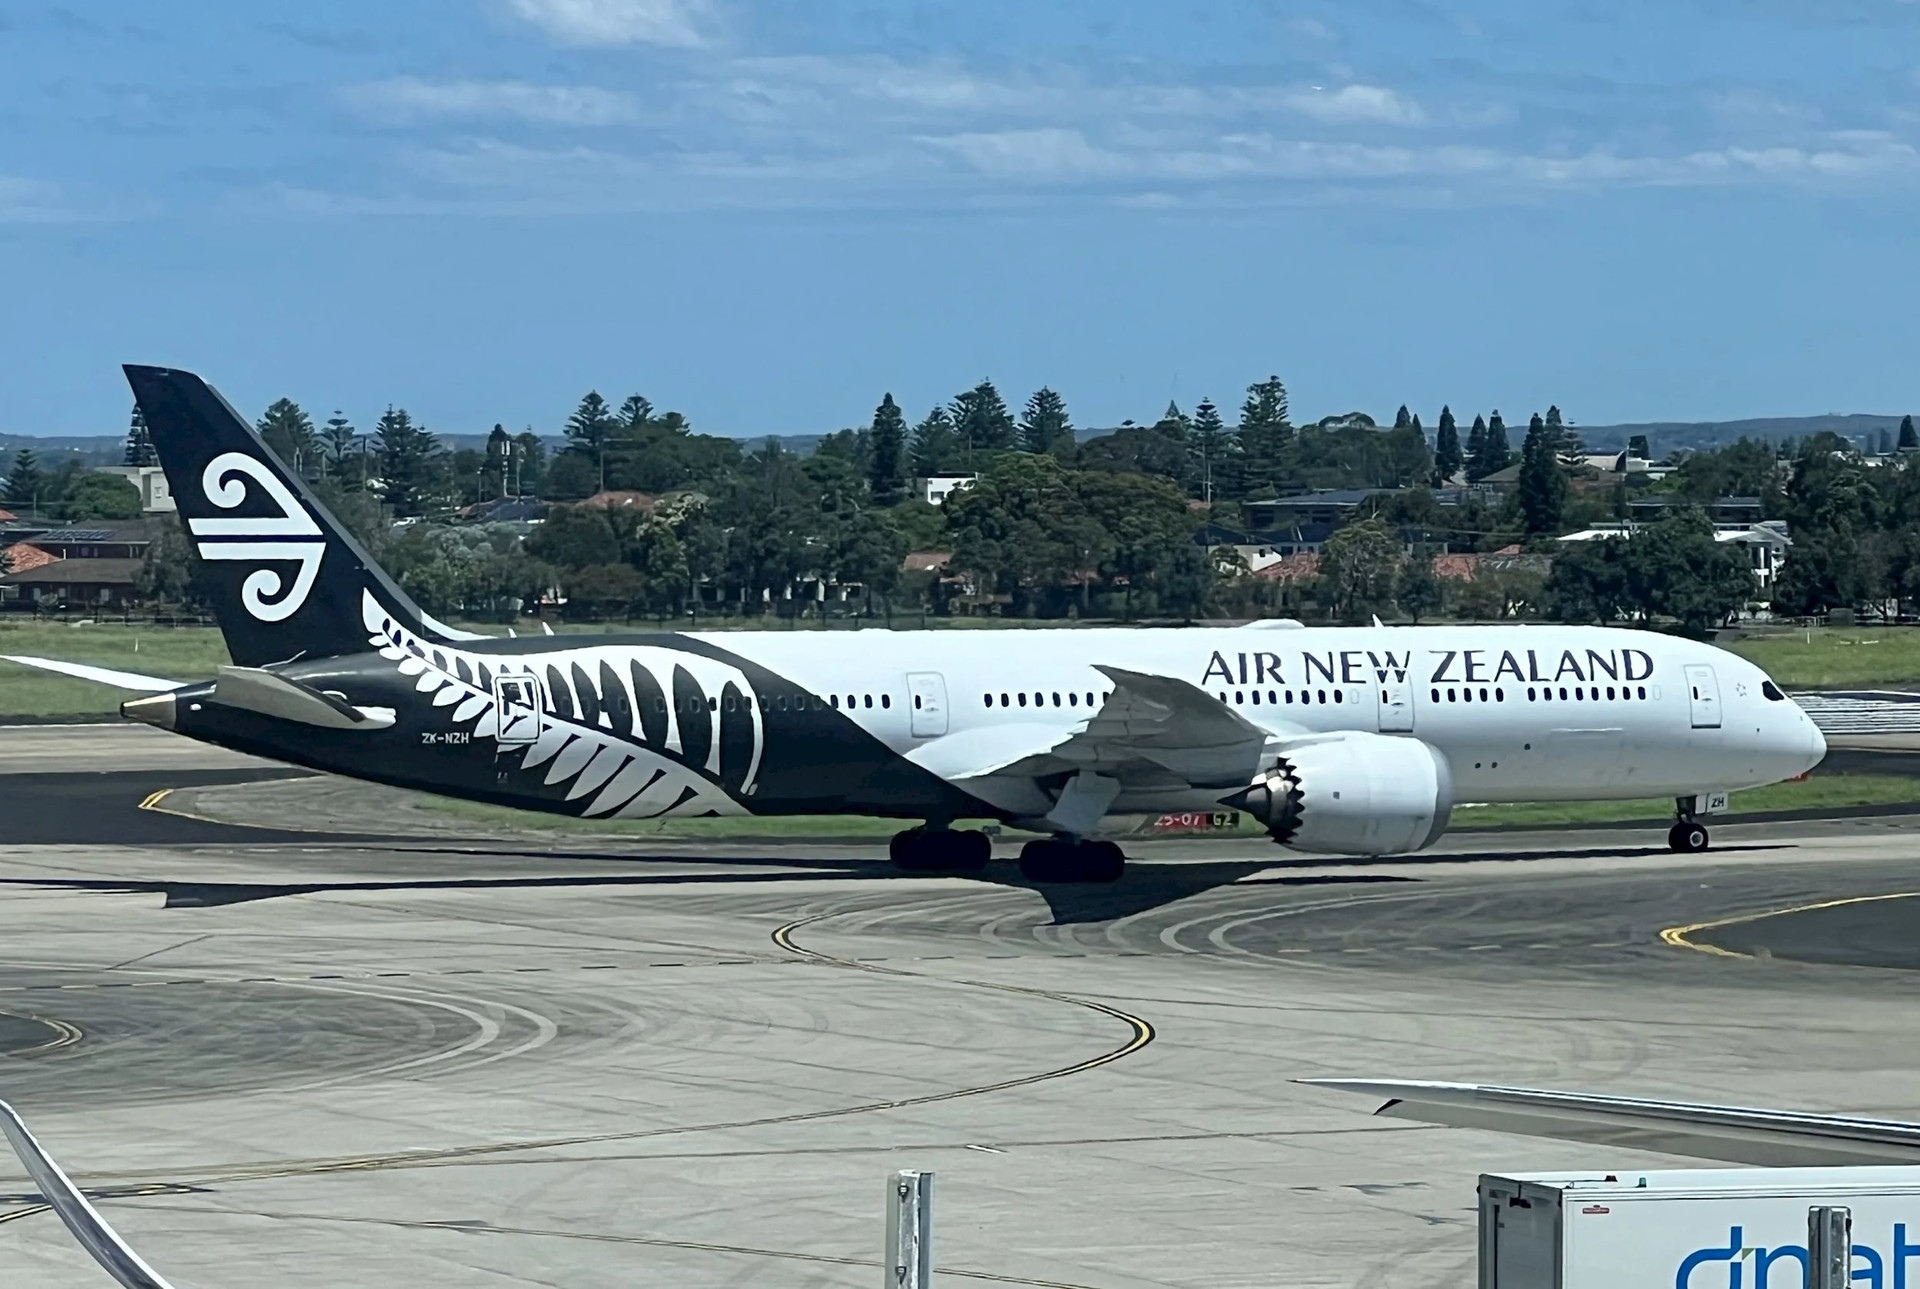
(1361, 794)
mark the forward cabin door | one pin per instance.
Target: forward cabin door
(1703, 694)
(928, 690)
(1396, 702)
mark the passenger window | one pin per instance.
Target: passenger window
(1005, 701)
(1339, 695)
(886, 700)
(1436, 695)
(1483, 694)
(1609, 693)
(1643, 691)
(987, 699)
(1023, 700)
(1499, 695)
(1453, 696)
(916, 702)
(1323, 698)
(1531, 695)
(1073, 700)
(1239, 696)
(1563, 693)
(1056, 699)
(868, 699)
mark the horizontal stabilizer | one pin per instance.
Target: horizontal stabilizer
(101, 1241)
(102, 675)
(270, 694)
(1770, 1138)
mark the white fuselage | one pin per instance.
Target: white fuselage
(1522, 713)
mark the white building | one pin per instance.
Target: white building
(938, 487)
(1766, 544)
(151, 480)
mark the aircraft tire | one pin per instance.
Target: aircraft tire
(1688, 837)
(927, 850)
(1067, 861)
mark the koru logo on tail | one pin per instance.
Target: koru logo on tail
(289, 537)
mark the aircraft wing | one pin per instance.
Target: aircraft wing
(104, 675)
(1769, 1138)
(1152, 730)
(100, 1241)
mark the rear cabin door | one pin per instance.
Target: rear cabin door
(1703, 694)
(928, 690)
(516, 701)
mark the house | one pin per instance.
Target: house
(1766, 543)
(936, 488)
(151, 480)
(92, 566)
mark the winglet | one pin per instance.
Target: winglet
(101, 1241)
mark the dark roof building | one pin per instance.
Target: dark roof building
(74, 583)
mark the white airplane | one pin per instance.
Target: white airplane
(1342, 741)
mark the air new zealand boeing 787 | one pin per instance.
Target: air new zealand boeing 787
(1351, 741)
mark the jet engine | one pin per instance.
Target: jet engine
(1360, 794)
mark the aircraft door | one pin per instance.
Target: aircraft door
(928, 690)
(1703, 693)
(1396, 703)
(516, 701)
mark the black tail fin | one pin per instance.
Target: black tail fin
(288, 580)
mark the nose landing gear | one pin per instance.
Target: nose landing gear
(933, 850)
(1688, 836)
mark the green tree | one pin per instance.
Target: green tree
(1402, 418)
(1264, 436)
(101, 496)
(1208, 445)
(1588, 582)
(1495, 453)
(408, 464)
(887, 450)
(1543, 488)
(1360, 570)
(1418, 591)
(981, 420)
(1447, 457)
(26, 481)
(342, 446)
(936, 447)
(140, 451)
(575, 537)
(1023, 530)
(529, 464)
(1144, 521)
(1747, 468)
(589, 431)
(1045, 427)
(289, 432)
(1476, 448)
(1909, 440)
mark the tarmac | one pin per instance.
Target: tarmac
(306, 1058)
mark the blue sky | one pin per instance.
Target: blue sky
(766, 212)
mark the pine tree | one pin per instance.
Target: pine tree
(1401, 418)
(1543, 486)
(1264, 434)
(936, 446)
(1495, 454)
(289, 433)
(589, 429)
(1208, 445)
(1416, 427)
(1476, 449)
(139, 442)
(26, 482)
(1908, 439)
(498, 468)
(887, 448)
(1446, 449)
(636, 413)
(1567, 444)
(981, 419)
(407, 462)
(1044, 427)
(338, 440)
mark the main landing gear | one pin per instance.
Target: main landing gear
(1067, 860)
(1688, 836)
(935, 850)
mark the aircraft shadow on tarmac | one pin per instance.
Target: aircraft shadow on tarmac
(1146, 887)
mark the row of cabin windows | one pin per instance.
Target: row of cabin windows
(1283, 697)
(776, 703)
(1039, 700)
(1540, 694)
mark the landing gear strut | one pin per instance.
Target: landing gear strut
(1067, 860)
(929, 850)
(1688, 836)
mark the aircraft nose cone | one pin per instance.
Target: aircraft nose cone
(1816, 744)
(155, 709)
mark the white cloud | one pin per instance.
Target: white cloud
(1311, 29)
(618, 22)
(1357, 104)
(408, 98)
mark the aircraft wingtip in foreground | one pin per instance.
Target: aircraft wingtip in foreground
(1354, 741)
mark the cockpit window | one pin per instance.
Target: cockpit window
(1772, 691)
